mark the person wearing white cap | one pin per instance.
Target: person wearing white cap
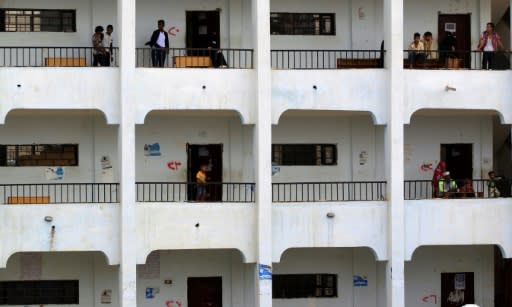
(447, 185)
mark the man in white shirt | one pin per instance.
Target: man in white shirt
(160, 45)
(107, 43)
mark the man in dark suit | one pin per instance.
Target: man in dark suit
(160, 45)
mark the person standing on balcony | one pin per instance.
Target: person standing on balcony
(447, 48)
(98, 51)
(107, 43)
(201, 182)
(447, 185)
(159, 43)
(438, 174)
(489, 43)
(416, 50)
(430, 45)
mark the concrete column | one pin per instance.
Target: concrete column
(393, 25)
(262, 146)
(126, 152)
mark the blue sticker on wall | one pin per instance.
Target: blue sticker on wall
(152, 150)
(149, 293)
(265, 271)
(360, 281)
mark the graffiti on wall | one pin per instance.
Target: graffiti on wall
(174, 165)
(426, 166)
(173, 303)
(432, 299)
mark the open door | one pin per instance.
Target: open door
(457, 289)
(201, 26)
(211, 156)
(460, 26)
(204, 292)
(459, 160)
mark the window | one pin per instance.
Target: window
(39, 155)
(304, 285)
(32, 20)
(40, 292)
(302, 24)
(304, 154)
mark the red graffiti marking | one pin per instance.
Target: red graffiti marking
(173, 31)
(425, 167)
(430, 299)
(174, 165)
(171, 302)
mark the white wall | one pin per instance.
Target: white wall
(358, 24)
(345, 262)
(423, 273)
(174, 132)
(90, 269)
(235, 21)
(237, 277)
(351, 134)
(89, 14)
(424, 136)
(86, 128)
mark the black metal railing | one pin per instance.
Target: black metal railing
(476, 188)
(462, 59)
(328, 191)
(59, 193)
(51, 57)
(326, 59)
(235, 192)
(195, 58)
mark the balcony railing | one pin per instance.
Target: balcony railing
(195, 58)
(326, 59)
(462, 59)
(328, 191)
(231, 192)
(59, 193)
(51, 56)
(424, 189)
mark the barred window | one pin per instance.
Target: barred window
(302, 24)
(35, 20)
(39, 292)
(304, 154)
(39, 155)
(304, 285)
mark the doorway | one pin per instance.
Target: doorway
(460, 26)
(209, 155)
(204, 291)
(457, 289)
(459, 160)
(202, 26)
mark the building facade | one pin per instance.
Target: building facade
(319, 135)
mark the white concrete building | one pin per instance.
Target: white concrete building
(319, 136)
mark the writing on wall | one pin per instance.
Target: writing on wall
(174, 165)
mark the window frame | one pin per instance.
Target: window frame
(324, 154)
(316, 24)
(39, 155)
(36, 21)
(319, 285)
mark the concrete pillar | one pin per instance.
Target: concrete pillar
(393, 25)
(262, 147)
(126, 152)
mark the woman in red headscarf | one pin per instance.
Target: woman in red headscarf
(438, 174)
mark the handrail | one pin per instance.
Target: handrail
(328, 191)
(326, 59)
(41, 56)
(458, 59)
(195, 58)
(59, 193)
(232, 192)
